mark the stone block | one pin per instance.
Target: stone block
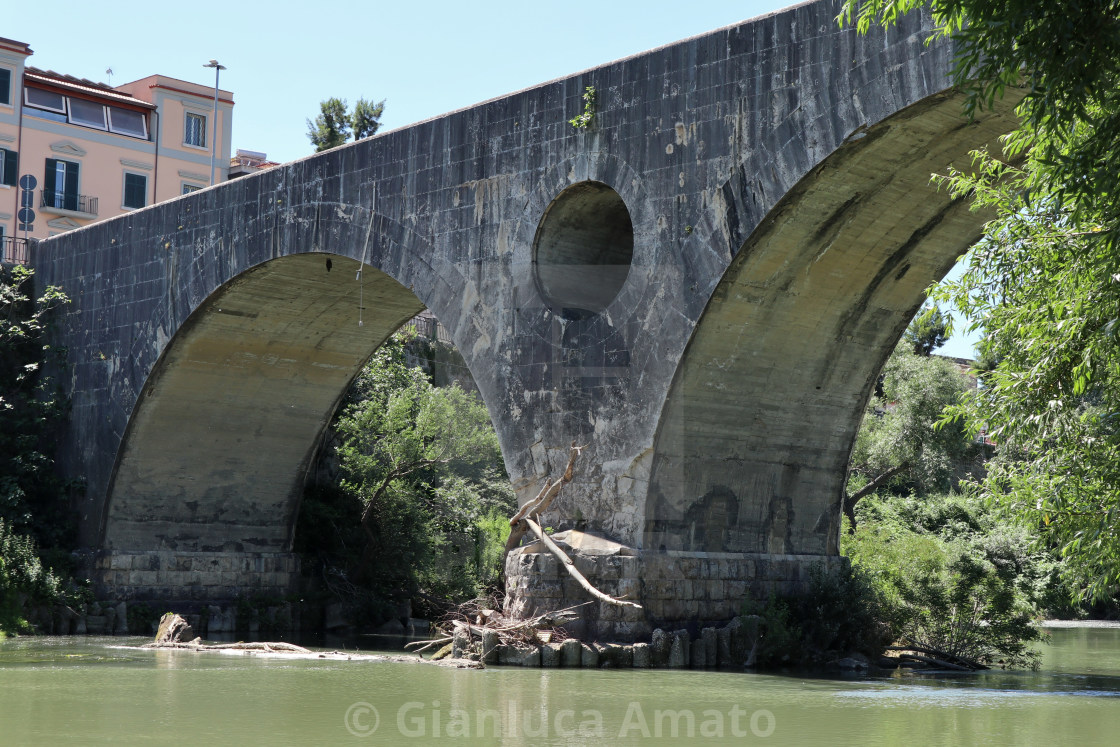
(679, 650)
(570, 653)
(615, 656)
(697, 658)
(490, 643)
(711, 647)
(460, 642)
(589, 657)
(550, 655)
(723, 647)
(660, 645)
(121, 625)
(628, 588)
(641, 655)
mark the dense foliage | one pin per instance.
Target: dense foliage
(900, 446)
(928, 331)
(422, 504)
(1043, 284)
(33, 500)
(954, 576)
(839, 614)
(24, 581)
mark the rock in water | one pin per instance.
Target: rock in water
(174, 629)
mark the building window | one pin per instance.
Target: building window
(128, 122)
(49, 100)
(188, 188)
(60, 185)
(87, 114)
(194, 130)
(135, 190)
(5, 86)
(9, 167)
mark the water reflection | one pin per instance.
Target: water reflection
(90, 690)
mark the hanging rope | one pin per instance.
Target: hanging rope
(360, 277)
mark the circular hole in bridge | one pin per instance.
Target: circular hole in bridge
(583, 249)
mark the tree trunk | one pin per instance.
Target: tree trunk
(851, 500)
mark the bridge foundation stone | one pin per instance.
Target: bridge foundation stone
(167, 575)
(677, 589)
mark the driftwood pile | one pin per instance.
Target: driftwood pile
(476, 628)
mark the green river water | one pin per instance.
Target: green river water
(56, 691)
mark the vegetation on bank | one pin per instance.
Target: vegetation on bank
(1042, 283)
(415, 506)
(33, 500)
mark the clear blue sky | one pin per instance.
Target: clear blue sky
(424, 57)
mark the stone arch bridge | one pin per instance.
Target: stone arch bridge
(702, 285)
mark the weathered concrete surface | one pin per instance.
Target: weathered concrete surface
(778, 228)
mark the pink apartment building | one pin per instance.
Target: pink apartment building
(97, 151)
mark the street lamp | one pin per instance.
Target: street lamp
(214, 138)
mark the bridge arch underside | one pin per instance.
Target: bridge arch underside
(211, 468)
(756, 433)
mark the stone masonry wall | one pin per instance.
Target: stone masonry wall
(690, 590)
(193, 576)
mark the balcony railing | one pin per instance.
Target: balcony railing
(69, 201)
(13, 250)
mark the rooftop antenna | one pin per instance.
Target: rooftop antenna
(109, 72)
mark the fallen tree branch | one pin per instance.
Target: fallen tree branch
(570, 566)
(540, 504)
(526, 519)
(268, 647)
(936, 662)
(962, 660)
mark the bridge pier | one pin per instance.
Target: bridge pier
(677, 589)
(170, 575)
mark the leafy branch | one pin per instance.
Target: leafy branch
(583, 121)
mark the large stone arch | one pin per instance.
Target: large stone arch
(225, 345)
(228, 421)
(755, 435)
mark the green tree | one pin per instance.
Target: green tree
(422, 484)
(366, 118)
(335, 124)
(33, 501)
(1043, 282)
(332, 127)
(900, 442)
(32, 498)
(928, 331)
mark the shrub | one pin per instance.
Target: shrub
(23, 580)
(953, 577)
(840, 613)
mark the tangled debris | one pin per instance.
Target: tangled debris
(475, 629)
